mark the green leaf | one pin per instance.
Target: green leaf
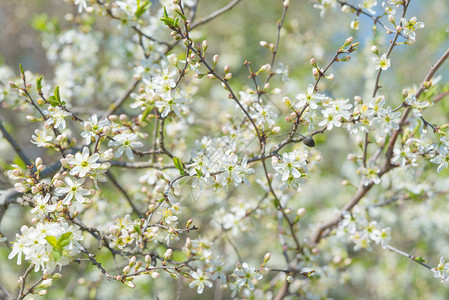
(146, 112)
(176, 22)
(198, 171)
(21, 69)
(141, 9)
(65, 239)
(57, 95)
(181, 15)
(52, 241)
(56, 254)
(39, 83)
(178, 165)
(420, 259)
(167, 21)
(52, 100)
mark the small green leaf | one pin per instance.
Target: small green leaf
(167, 21)
(65, 239)
(146, 112)
(56, 254)
(52, 241)
(176, 22)
(141, 9)
(39, 83)
(198, 171)
(420, 259)
(53, 101)
(21, 69)
(178, 165)
(181, 15)
(57, 95)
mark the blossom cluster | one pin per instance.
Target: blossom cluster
(181, 123)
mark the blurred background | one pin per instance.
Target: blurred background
(235, 36)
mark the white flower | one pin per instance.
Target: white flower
(74, 189)
(217, 271)
(331, 119)
(200, 280)
(94, 129)
(262, 114)
(42, 207)
(126, 141)
(370, 175)
(311, 98)
(82, 5)
(410, 26)
(83, 163)
(442, 270)
(442, 159)
(416, 104)
(388, 119)
(168, 103)
(56, 116)
(41, 138)
(382, 237)
(382, 62)
(246, 275)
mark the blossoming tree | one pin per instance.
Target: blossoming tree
(158, 160)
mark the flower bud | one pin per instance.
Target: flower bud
(34, 190)
(267, 257)
(113, 118)
(301, 212)
(154, 275)
(148, 259)
(348, 41)
(204, 46)
(265, 68)
(168, 253)
(45, 283)
(31, 118)
(404, 93)
(375, 50)
(392, 19)
(126, 270)
(38, 161)
(132, 261)
(215, 59)
(64, 162)
(172, 59)
(139, 264)
(276, 130)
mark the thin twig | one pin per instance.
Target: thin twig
(214, 14)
